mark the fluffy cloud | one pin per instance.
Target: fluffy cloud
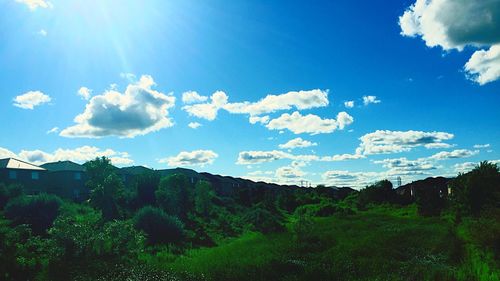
(464, 167)
(31, 99)
(370, 99)
(458, 153)
(438, 145)
(208, 110)
(384, 141)
(194, 125)
(311, 124)
(193, 97)
(297, 142)
(42, 32)
(482, 145)
(352, 179)
(403, 166)
(349, 104)
(34, 4)
(256, 157)
(342, 157)
(79, 155)
(454, 24)
(138, 111)
(289, 174)
(85, 93)
(259, 119)
(192, 158)
(484, 66)
(272, 103)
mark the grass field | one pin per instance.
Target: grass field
(383, 243)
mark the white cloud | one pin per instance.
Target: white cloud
(53, 130)
(297, 142)
(454, 24)
(256, 157)
(349, 104)
(34, 4)
(5, 153)
(129, 76)
(482, 145)
(289, 174)
(311, 124)
(484, 66)
(465, 167)
(370, 99)
(138, 111)
(42, 32)
(79, 155)
(259, 119)
(192, 158)
(355, 180)
(385, 141)
(208, 110)
(192, 97)
(194, 125)
(400, 166)
(31, 99)
(342, 157)
(272, 103)
(458, 153)
(438, 145)
(85, 93)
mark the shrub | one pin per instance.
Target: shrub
(158, 226)
(8, 192)
(173, 195)
(263, 220)
(39, 211)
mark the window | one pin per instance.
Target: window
(78, 176)
(35, 175)
(12, 175)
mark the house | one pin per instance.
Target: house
(14, 171)
(66, 179)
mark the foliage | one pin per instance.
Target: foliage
(173, 195)
(8, 192)
(39, 211)
(158, 226)
(430, 201)
(147, 184)
(477, 190)
(378, 193)
(203, 196)
(264, 221)
(105, 187)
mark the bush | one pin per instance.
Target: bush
(173, 195)
(158, 226)
(39, 211)
(8, 192)
(378, 193)
(264, 221)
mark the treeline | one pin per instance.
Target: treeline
(44, 237)
(124, 232)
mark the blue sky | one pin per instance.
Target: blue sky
(424, 82)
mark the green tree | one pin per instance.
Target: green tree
(39, 211)
(147, 184)
(8, 192)
(477, 190)
(105, 186)
(173, 195)
(159, 227)
(203, 196)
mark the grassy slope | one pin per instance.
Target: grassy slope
(380, 244)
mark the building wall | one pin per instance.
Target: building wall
(26, 178)
(67, 185)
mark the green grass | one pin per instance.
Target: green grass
(383, 243)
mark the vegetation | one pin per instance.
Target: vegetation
(168, 228)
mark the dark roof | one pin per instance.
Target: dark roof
(64, 166)
(11, 163)
(136, 170)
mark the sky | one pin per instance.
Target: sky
(340, 93)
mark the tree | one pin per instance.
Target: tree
(173, 195)
(203, 196)
(380, 192)
(105, 186)
(147, 184)
(477, 190)
(39, 211)
(158, 226)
